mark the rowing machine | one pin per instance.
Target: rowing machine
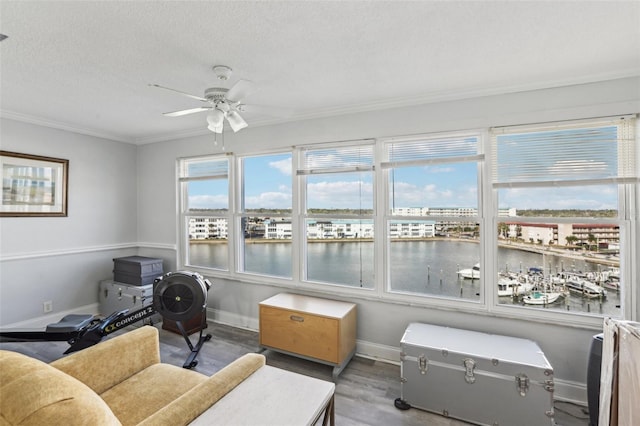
(178, 296)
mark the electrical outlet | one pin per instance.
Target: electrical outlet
(47, 306)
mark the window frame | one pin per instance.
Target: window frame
(182, 195)
(241, 212)
(302, 173)
(385, 166)
(488, 217)
(625, 201)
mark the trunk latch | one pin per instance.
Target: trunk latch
(522, 383)
(423, 364)
(469, 366)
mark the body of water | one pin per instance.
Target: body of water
(422, 267)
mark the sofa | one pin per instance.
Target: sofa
(120, 381)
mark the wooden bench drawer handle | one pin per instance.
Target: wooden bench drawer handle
(296, 318)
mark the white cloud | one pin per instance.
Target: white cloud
(283, 166)
(577, 167)
(208, 202)
(585, 197)
(269, 200)
(439, 169)
(432, 195)
(340, 195)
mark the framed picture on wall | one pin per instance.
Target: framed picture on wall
(33, 185)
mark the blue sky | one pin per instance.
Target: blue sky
(268, 184)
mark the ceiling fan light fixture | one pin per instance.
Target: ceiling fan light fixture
(215, 129)
(223, 72)
(215, 118)
(236, 121)
(222, 103)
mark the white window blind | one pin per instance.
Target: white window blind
(572, 153)
(438, 149)
(204, 169)
(336, 159)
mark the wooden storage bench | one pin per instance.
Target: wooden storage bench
(313, 328)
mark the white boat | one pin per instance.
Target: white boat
(576, 283)
(613, 273)
(470, 274)
(585, 288)
(541, 298)
(508, 287)
(612, 285)
(612, 278)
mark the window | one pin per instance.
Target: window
(338, 214)
(265, 220)
(565, 242)
(538, 221)
(432, 220)
(204, 186)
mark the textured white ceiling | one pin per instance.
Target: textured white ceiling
(86, 65)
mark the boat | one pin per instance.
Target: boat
(612, 278)
(470, 273)
(585, 288)
(612, 285)
(579, 285)
(541, 298)
(613, 273)
(509, 286)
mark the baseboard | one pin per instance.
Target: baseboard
(568, 391)
(233, 319)
(384, 353)
(565, 390)
(44, 320)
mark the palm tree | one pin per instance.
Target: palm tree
(571, 239)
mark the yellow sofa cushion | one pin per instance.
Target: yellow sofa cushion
(197, 400)
(155, 387)
(114, 359)
(119, 381)
(34, 393)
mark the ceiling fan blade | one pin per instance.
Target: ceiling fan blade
(271, 111)
(182, 93)
(240, 90)
(236, 121)
(186, 111)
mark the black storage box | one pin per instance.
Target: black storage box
(137, 270)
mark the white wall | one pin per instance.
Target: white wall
(381, 324)
(62, 258)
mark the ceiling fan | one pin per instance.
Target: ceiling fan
(220, 102)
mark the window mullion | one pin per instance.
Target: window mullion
(235, 205)
(298, 254)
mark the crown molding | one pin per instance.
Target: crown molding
(424, 99)
(472, 93)
(25, 118)
(169, 136)
(428, 98)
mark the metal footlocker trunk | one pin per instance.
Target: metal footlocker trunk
(116, 296)
(480, 378)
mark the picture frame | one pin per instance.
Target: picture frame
(33, 185)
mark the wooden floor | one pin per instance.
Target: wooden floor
(365, 390)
